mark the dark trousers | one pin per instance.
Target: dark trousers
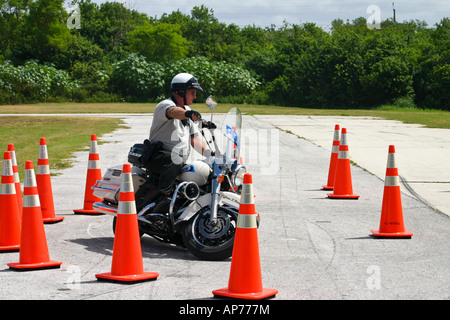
(162, 164)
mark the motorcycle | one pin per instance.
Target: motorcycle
(202, 212)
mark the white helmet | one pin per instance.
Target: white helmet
(184, 81)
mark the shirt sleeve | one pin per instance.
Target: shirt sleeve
(160, 112)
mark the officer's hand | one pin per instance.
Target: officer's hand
(193, 115)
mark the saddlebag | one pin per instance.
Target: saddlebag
(141, 153)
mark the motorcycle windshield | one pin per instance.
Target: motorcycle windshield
(231, 135)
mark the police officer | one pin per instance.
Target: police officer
(173, 126)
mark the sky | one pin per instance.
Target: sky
(265, 13)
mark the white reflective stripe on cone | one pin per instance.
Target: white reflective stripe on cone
(391, 181)
(31, 201)
(126, 207)
(246, 221)
(8, 188)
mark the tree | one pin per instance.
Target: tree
(161, 42)
(12, 13)
(297, 65)
(432, 71)
(107, 25)
(44, 31)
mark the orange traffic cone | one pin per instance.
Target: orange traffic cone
(333, 160)
(127, 264)
(44, 185)
(9, 212)
(94, 173)
(16, 177)
(33, 242)
(391, 224)
(343, 182)
(245, 274)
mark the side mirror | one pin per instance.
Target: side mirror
(211, 103)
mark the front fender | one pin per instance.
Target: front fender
(229, 198)
(225, 197)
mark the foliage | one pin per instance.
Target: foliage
(162, 42)
(358, 67)
(121, 54)
(140, 80)
(40, 33)
(216, 78)
(136, 79)
(33, 82)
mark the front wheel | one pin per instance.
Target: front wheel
(207, 240)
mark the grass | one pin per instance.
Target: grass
(62, 108)
(66, 135)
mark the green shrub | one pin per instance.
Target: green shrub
(406, 102)
(136, 79)
(216, 78)
(33, 82)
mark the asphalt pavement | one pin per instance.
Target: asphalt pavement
(311, 247)
(422, 154)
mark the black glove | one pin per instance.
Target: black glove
(190, 113)
(208, 124)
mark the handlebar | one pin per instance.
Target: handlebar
(208, 124)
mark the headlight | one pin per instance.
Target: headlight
(237, 176)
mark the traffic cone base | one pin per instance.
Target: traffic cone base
(12, 248)
(35, 266)
(264, 294)
(343, 196)
(87, 212)
(405, 234)
(128, 279)
(52, 220)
